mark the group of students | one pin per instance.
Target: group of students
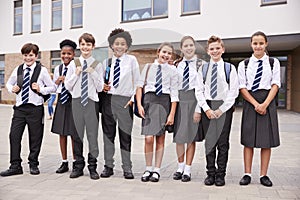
(195, 97)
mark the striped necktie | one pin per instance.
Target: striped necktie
(186, 74)
(258, 75)
(213, 83)
(116, 73)
(25, 86)
(64, 95)
(158, 84)
(84, 85)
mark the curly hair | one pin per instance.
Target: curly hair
(119, 33)
(69, 43)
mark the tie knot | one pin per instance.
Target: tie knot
(28, 69)
(215, 65)
(118, 60)
(260, 61)
(159, 67)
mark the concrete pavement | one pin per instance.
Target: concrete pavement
(284, 169)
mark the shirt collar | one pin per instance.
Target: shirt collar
(194, 58)
(256, 59)
(31, 67)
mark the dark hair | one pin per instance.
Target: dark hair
(176, 62)
(119, 33)
(259, 33)
(87, 37)
(68, 43)
(28, 47)
(213, 39)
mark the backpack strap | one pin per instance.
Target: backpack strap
(198, 64)
(20, 73)
(77, 62)
(94, 64)
(204, 71)
(271, 61)
(107, 70)
(227, 69)
(60, 69)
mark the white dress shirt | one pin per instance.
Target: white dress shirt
(56, 75)
(44, 81)
(169, 79)
(95, 80)
(226, 92)
(129, 75)
(193, 76)
(268, 77)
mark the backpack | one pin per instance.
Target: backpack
(227, 68)
(102, 94)
(34, 77)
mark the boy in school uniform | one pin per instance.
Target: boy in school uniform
(28, 110)
(83, 81)
(216, 96)
(117, 104)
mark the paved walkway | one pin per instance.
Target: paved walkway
(284, 170)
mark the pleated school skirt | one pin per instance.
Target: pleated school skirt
(259, 131)
(157, 109)
(185, 130)
(63, 123)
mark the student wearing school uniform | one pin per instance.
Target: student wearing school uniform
(218, 90)
(84, 80)
(28, 110)
(117, 104)
(63, 122)
(259, 81)
(188, 114)
(159, 107)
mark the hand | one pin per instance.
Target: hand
(78, 70)
(170, 119)
(141, 111)
(59, 80)
(261, 109)
(218, 113)
(15, 89)
(129, 103)
(197, 117)
(210, 114)
(36, 87)
(106, 87)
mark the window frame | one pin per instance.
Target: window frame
(145, 19)
(190, 12)
(2, 70)
(52, 14)
(34, 13)
(18, 15)
(273, 2)
(76, 5)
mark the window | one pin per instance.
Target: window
(190, 7)
(133, 10)
(76, 13)
(272, 2)
(2, 66)
(18, 17)
(56, 14)
(36, 16)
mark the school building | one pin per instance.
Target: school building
(48, 22)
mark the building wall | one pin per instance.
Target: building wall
(295, 81)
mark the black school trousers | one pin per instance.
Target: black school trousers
(33, 117)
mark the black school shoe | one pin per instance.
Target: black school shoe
(128, 175)
(63, 168)
(34, 170)
(177, 176)
(265, 180)
(146, 176)
(154, 179)
(209, 180)
(246, 180)
(107, 172)
(186, 178)
(12, 171)
(220, 180)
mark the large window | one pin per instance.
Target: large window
(18, 17)
(2, 66)
(56, 14)
(272, 2)
(36, 15)
(144, 9)
(76, 13)
(190, 7)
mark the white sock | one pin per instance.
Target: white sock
(181, 167)
(187, 170)
(149, 168)
(64, 160)
(156, 169)
(249, 174)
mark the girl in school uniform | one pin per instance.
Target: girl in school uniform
(259, 85)
(188, 113)
(158, 110)
(63, 123)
